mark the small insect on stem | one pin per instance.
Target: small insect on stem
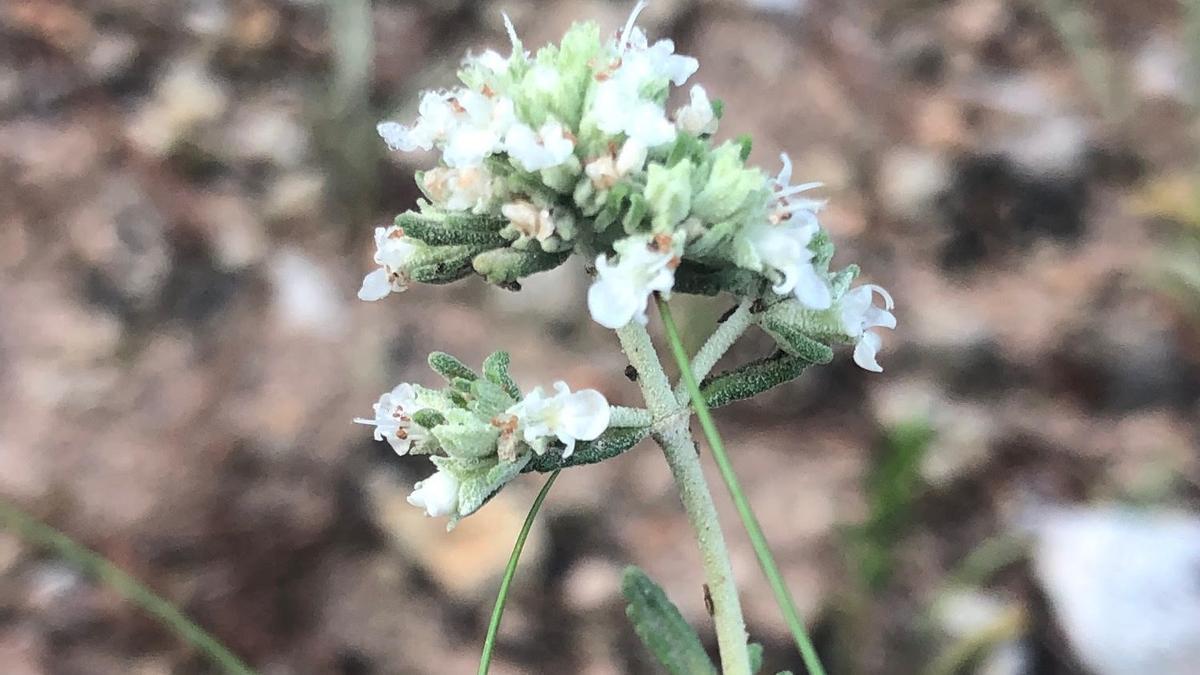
(708, 601)
(631, 373)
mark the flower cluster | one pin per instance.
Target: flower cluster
(572, 150)
(480, 431)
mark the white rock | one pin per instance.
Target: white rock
(1124, 586)
(305, 296)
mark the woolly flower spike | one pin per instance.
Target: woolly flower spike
(393, 251)
(697, 117)
(393, 419)
(438, 495)
(569, 417)
(647, 264)
(859, 315)
(548, 147)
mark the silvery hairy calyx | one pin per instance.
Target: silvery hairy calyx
(574, 150)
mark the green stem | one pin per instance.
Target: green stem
(489, 643)
(41, 535)
(809, 653)
(672, 434)
(716, 345)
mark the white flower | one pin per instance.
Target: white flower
(781, 242)
(549, 146)
(606, 170)
(529, 220)
(483, 122)
(783, 249)
(469, 126)
(618, 109)
(647, 264)
(788, 205)
(859, 315)
(697, 116)
(618, 106)
(393, 419)
(393, 251)
(436, 118)
(468, 188)
(569, 417)
(438, 495)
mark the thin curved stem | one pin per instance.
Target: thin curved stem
(716, 345)
(489, 643)
(757, 539)
(42, 535)
(674, 437)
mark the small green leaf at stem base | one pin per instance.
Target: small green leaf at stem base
(662, 628)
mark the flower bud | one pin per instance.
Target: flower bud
(437, 495)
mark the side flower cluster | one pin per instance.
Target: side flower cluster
(480, 431)
(572, 149)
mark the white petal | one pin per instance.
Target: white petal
(492, 60)
(438, 494)
(375, 286)
(469, 146)
(865, 351)
(613, 304)
(811, 290)
(875, 317)
(585, 415)
(400, 445)
(397, 136)
(632, 157)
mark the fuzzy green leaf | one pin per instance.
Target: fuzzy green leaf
(477, 489)
(495, 369)
(465, 435)
(611, 443)
(751, 379)
(442, 264)
(795, 342)
(428, 418)
(490, 399)
(662, 628)
(450, 368)
(442, 229)
(699, 279)
(504, 266)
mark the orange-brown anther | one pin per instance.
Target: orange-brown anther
(505, 423)
(661, 242)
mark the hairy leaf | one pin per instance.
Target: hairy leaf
(662, 628)
(611, 443)
(751, 379)
(450, 368)
(495, 369)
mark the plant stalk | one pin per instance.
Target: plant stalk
(757, 539)
(674, 436)
(510, 571)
